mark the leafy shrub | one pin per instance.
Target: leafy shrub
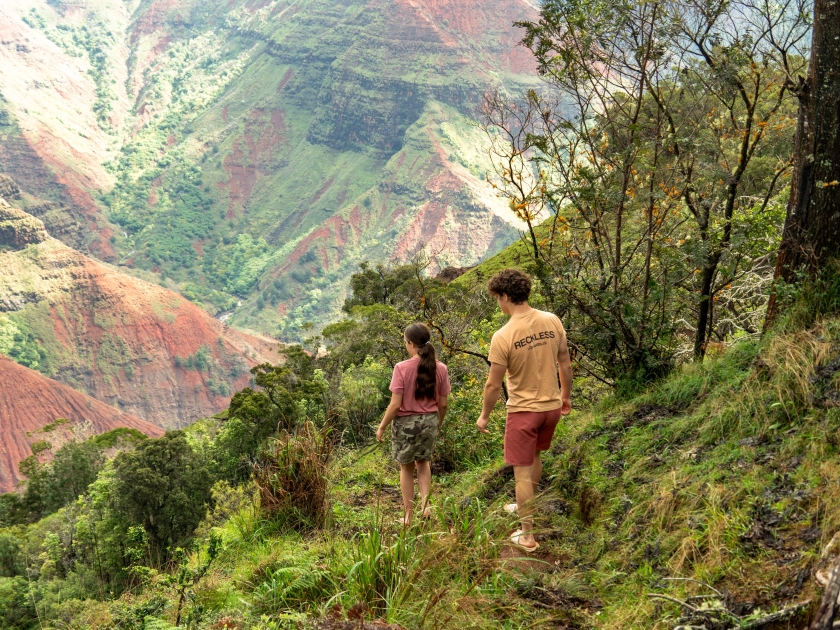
(134, 617)
(363, 390)
(51, 486)
(806, 302)
(238, 265)
(294, 588)
(21, 345)
(16, 608)
(199, 361)
(163, 486)
(11, 561)
(288, 395)
(459, 445)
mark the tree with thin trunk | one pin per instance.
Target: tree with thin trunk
(812, 227)
(648, 168)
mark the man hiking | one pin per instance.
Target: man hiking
(529, 348)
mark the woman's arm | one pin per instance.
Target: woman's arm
(390, 414)
(443, 405)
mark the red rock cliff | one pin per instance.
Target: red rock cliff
(29, 401)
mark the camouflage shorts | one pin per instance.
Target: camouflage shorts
(413, 437)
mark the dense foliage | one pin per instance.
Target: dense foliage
(102, 526)
(164, 487)
(651, 171)
(650, 174)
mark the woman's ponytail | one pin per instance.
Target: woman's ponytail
(419, 335)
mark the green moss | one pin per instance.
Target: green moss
(52, 426)
(19, 342)
(113, 354)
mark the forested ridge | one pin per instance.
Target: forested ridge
(695, 483)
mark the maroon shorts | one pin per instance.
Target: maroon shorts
(527, 432)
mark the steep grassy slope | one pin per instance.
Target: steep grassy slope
(272, 132)
(38, 411)
(725, 473)
(131, 344)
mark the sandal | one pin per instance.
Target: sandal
(514, 538)
(511, 508)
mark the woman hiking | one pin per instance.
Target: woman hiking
(419, 398)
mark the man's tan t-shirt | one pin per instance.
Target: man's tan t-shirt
(528, 346)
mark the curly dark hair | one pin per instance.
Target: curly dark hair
(513, 283)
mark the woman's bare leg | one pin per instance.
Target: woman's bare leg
(407, 488)
(424, 480)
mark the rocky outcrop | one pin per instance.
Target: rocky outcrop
(18, 229)
(9, 189)
(60, 223)
(30, 402)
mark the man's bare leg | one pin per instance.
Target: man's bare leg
(524, 499)
(536, 471)
(424, 480)
(407, 488)
(536, 474)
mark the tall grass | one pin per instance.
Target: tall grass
(291, 475)
(378, 574)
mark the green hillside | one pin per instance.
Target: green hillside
(721, 473)
(259, 152)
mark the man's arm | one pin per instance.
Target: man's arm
(492, 389)
(564, 363)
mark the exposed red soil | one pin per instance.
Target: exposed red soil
(154, 17)
(447, 221)
(286, 78)
(29, 401)
(151, 25)
(333, 235)
(452, 23)
(253, 155)
(424, 231)
(136, 333)
(242, 177)
(322, 190)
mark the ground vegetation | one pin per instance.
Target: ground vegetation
(720, 473)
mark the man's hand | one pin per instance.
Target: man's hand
(380, 433)
(492, 389)
(565, 406)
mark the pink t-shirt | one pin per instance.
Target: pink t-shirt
(404, 381)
